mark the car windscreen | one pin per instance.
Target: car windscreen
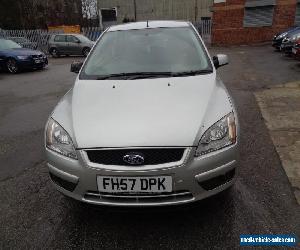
(294, 33)
(8, 44)
(157, 50)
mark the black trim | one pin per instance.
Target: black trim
(69, 186)
(149, 156)
(217, 181)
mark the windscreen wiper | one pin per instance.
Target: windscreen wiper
(192, 73)
(143, 75)
(170, 74)
(134, 75)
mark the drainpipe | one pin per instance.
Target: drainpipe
(196, 10)
(134, 6)
(100, 19)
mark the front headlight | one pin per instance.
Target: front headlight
(23, 57)
(218, 136)
(58, 140)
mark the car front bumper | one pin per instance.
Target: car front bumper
(287, 47)
(194, 178)
(31, 64)
(276, 43)
(296, 52)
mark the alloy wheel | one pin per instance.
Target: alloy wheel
(12, 66)
(54, 52)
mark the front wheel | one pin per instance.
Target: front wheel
(54, 52)
(12, 66)
(86, 51)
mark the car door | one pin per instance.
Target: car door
(61, 44)
(74, 46)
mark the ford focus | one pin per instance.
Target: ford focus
(147, 122)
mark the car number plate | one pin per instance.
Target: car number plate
(294, 51)
(153, 184)
(37, 61)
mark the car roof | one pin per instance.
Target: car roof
(294, 32)
(151, 24)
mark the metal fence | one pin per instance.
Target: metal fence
(41, 37)
(38, 38)
(92, 32)
(204, 27)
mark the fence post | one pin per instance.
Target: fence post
(2, 33)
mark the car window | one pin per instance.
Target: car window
(72, 39)
(60, 38)
(83, 39)
(150, 50)
(8, 44)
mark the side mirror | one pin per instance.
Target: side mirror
(220, 60)
(78, 41)
(76, 67)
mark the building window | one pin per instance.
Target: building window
(259, 13)
(297, 18)
(109, 15)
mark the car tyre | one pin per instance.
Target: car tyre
(54, 52)
(12, 66)
(86, 51)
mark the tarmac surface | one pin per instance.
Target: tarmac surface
(33, 215)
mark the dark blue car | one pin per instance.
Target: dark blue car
(14, 58)
(278, 38)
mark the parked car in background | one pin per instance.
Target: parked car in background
(170, 135)
(296, 49)
(24, 42)
(289, 40)
(69, 44)
(277, 40)
(14, 58)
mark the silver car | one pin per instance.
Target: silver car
(69, 44)
(147, 122)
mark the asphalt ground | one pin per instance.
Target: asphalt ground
(33, 215)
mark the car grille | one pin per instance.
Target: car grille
(37, 56)
(146, 199)
(152, 156)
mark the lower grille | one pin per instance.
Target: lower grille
(174, 197)
(70, 186)
(151, 156)
(218, 181)
(37, 56)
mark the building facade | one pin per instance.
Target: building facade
(252, 21)
(118, 11)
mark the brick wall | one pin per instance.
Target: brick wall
(228, 20)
